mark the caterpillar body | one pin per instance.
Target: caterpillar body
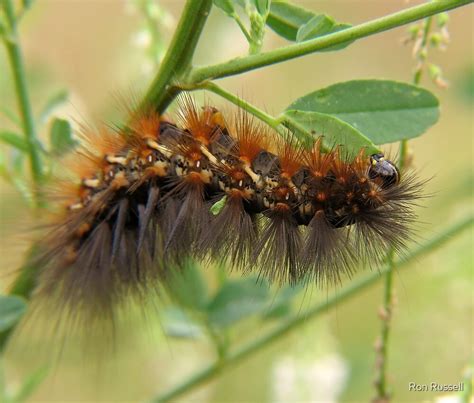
(143, 206)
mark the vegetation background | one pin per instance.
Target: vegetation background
(99, 48)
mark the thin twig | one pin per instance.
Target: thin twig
(252, 62)
(179, 54)
(381, 384)
(258, 113)
(15, 58)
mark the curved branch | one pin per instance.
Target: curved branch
(179, 55)
(243, 64)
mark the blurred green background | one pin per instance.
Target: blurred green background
(97, 49)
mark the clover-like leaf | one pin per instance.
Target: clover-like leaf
(61, 137)
(382, 111)
(297, 24)
(237, 300)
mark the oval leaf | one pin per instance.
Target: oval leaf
(225, 5)
(286, 19)
(61, 136)
(334, 131)
(237, 300)
(383, 111)
(298, 24)
(188, 288)
(319, 26)
(178, 324)
(263, 7)
(12, 309)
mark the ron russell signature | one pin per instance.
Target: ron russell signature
(436, 387)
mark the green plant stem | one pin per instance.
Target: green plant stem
(258, 113)
(214, 369)
(179, 55)
(15, 57)
(243, 64)
(22, 287)
(242, 27)
(420, 57)
(416, 81)
(382, 346)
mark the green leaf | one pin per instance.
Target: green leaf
(263, 7)
(236, 300)
(12, 309)
(178, 324)
(61, 139)
(334, 131)
(54, 102)
(321, 25)
(225, 5)
(297, 24)
(188, 288)
(317, 26)
(30, 384)
(218, 206)
(286, 19)
(381, 110)
(14, 139)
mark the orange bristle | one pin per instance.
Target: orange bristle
(319, 163)
(84, 164)
(146, 124)
(291, 156)
(252, 136)
(200, 123)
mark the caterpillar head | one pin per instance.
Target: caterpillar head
(384, 170)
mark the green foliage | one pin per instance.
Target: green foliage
(226, 6)
(232, 302)
(256, 12)
(14, 140)
(378, 112)
(333, 130)
(218, 206)
(236, 300)
(286, 19)
(12, 309)
(60, 136)
(188, 288)
(178, 324)
(297, 24)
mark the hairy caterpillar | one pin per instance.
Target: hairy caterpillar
(143, 206)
